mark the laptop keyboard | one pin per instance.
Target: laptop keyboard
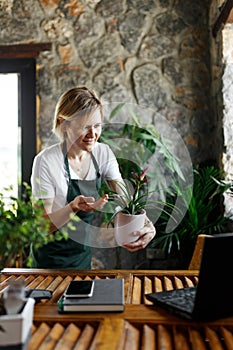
(183, 298)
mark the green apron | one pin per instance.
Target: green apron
(69, 253)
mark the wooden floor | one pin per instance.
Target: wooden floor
(140, 326)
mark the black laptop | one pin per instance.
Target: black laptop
(212, 298)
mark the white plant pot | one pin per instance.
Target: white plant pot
(15, 330)
(126, 224)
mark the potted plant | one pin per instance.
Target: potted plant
(205, 215)
(130, 206)
(16, 316)
(15, 328)
(129, 214)
(22, 224)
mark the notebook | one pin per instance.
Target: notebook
(108, 295)
(212, 298)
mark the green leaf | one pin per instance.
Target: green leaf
(116, 110)
(21, 225)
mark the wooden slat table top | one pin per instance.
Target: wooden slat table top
(119, 334)
(137, 282)
(140, 326)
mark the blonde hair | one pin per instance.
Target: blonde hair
(78, 100)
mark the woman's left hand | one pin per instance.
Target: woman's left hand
(146, 234)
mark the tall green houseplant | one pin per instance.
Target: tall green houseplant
(137, 146)
(205, 214)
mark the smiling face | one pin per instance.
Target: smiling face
(83, 131)
(77, 113)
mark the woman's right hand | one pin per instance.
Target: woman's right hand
(88, 204)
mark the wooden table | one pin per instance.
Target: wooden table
(140, 326)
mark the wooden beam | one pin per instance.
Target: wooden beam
(23, 50)
(223, 16)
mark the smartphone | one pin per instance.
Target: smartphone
(79, 289)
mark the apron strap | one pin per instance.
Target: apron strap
(95, 165)
(64, 151)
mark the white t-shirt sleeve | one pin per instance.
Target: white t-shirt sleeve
(108, 165)
(41, 179)
(49, 178)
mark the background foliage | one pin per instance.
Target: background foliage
(205, 214)
(22, 224)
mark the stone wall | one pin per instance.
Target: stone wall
(156, 53)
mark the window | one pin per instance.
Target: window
(18, 122)
(9, 131)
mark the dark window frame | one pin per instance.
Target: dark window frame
(26, 68)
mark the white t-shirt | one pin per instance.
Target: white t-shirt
(50, 179)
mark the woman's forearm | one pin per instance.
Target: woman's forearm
(59, 218)
(62, 216)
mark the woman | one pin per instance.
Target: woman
(67, 177)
